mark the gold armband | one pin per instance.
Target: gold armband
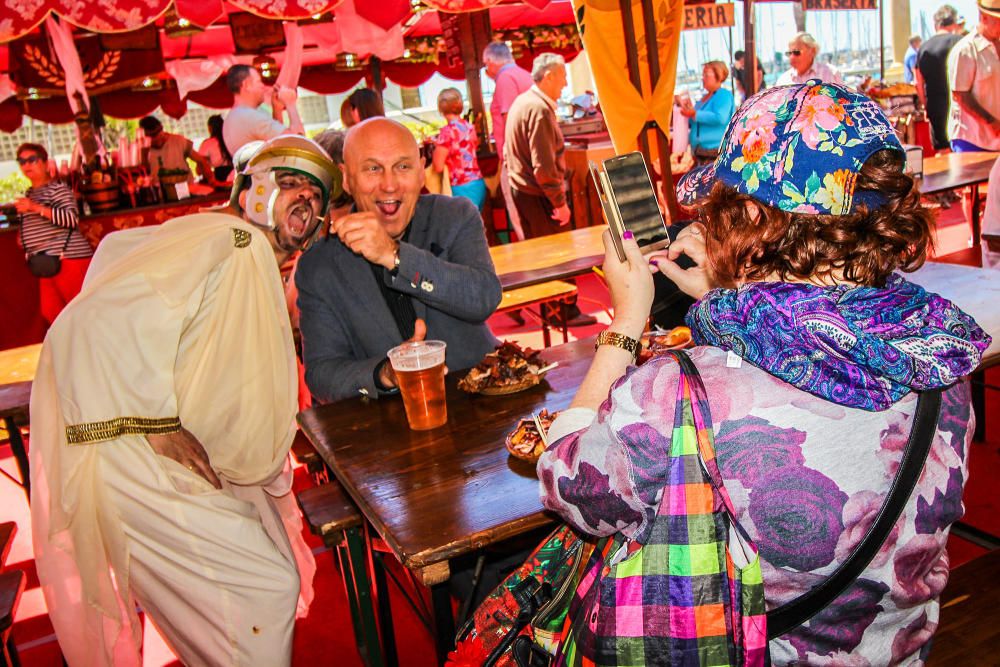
(627, 343)
(81, 434)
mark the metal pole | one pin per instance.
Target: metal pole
(881, 40)
(749, 48)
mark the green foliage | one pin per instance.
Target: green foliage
(422, 131)
(12, 187)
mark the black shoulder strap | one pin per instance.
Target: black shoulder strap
(793, 614)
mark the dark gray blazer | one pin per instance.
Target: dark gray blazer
(347, 327)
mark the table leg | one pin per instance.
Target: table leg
(977, 385)
(359, 574)
(20, 454)
(444, 621)
(976, 226)
(383, 607)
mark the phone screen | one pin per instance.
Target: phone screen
(633, 193)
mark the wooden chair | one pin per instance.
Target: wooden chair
(547, 296)
(332, 516)
(969, 629)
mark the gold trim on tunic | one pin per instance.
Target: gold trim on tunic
(241, 237)
(79, 434)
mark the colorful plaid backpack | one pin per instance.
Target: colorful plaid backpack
(693, 594)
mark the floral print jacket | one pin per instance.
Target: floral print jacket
(807, 477)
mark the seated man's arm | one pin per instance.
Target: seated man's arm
(332, 371)
(458, 279)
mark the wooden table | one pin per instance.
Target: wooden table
(436, 495)
(17, 370)
(976, 291)
(552, 257)
(959, 170)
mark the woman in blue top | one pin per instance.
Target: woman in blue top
(710, 116)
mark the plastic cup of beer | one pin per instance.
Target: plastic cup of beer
(419, 368)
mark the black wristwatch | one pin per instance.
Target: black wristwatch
(377, 374)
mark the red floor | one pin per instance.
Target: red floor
(326, 633)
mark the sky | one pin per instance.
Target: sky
(775, 23)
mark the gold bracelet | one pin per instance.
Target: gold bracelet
(627, 343)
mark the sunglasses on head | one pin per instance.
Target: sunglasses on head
(793, 52)
(31, 159)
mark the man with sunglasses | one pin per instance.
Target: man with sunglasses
(50, 225)
(803, 63)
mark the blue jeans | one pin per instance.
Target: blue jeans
(474, 191)
(963, 146)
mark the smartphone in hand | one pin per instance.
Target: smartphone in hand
(630, 203)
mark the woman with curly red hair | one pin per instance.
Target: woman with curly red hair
(812, 348)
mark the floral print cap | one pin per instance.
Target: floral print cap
(799, 148)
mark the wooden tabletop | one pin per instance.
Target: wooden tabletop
(552, 257)
(434, 495)
(18, 364)
(956, 170)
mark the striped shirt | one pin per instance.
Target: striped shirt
(39, 234)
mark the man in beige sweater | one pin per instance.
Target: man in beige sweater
(533, 152)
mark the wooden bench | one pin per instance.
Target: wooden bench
(545, 296)
(305, 454)
(11, 587)
(331, 515)
(7, 531)
(969, 628)
(14, 399)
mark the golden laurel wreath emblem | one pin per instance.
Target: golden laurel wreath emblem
(98, 75)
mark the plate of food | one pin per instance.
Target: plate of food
(526, 442)
(507, 370)
(658, 341)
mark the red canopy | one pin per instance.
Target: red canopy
(122, 95)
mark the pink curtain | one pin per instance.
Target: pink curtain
(360, 36)
(291, 68)
(192, 75)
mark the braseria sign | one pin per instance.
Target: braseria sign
(820, 5)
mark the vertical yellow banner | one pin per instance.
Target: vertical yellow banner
(603, 34)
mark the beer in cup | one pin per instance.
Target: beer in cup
(419, 368)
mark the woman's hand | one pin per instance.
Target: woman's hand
(25, 205)
(695, 281)
(184, 448)
(631, 286)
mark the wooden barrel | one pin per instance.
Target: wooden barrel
(169, 181)
(102, 196)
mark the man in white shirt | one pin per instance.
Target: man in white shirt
(245, 121)
(974, 74)
(802, 52)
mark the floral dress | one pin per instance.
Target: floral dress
(807, 454)
(459, 137)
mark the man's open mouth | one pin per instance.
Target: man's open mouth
(299, 219)
(388, 207)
